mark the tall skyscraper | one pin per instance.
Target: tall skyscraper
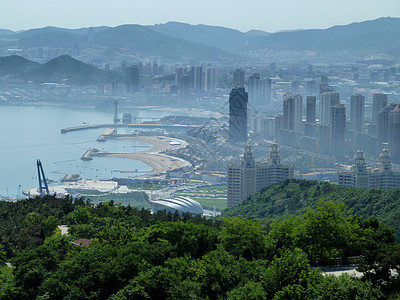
(255, 90)
(196, 78)
(328, 99)
(325, 139)
(324, 80)
(210, 79)
(268, 90)
(132, 78)
(91, 39)
(311, 87)
(278, 125)
(155, 69)
(238, 99)
(272, 69)
(259, 90)
(249, 177)
(238, 78)
(383, 125)
(357, 103)
(394, 133)
(338, 130)
(182, 80)
(325, 88)
(311, 109)
(179, 72)
(379, 101)
(292, 112)
(76, 48)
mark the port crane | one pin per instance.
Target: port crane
(43, 188)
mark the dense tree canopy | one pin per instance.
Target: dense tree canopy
(138, 255)
(294, 197)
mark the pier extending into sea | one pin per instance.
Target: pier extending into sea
(148, 126)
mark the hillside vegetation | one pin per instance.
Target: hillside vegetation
(296, 196)
(138, 255)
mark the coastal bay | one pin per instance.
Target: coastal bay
(154, 158)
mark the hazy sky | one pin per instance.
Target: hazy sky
(243, 15)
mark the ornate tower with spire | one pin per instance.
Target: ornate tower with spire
(360, 176)
(274, 158)
(248, 171)
(249, 177)
(385, 163)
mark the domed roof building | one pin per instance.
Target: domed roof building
(180, 204)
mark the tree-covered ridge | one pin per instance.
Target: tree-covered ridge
(293, 197)
(138, 255)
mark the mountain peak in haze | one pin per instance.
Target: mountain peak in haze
(15, 64)
(255, 32)
(69, 70)
(67, 65)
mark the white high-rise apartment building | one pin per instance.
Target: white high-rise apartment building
(249, 177)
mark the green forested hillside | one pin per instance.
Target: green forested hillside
(138, 255)
(296, 196)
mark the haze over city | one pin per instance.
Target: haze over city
(270, 16)
(199, 149)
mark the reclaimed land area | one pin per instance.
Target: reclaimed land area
(154, 158)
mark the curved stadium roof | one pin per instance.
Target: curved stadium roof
(180, 204)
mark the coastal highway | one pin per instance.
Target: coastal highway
(149, 126)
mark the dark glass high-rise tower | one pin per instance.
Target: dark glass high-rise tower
(238, 99)
(311, 109)
(132, 78)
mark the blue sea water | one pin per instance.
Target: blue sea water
(34, 132)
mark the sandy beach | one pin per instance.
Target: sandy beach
(157, 161)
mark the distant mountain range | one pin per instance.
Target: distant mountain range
(143, 40)
(138, 39)
(380, 35)
(214, 36)
(63, 69)
(180, 41)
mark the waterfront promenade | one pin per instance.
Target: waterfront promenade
(154, 158)
(148, 126)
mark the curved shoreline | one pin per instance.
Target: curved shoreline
(159, 162)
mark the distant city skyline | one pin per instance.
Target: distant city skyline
(270, 16)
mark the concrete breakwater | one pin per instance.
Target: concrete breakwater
(107, 133)
(88, 154)
(95, 126)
